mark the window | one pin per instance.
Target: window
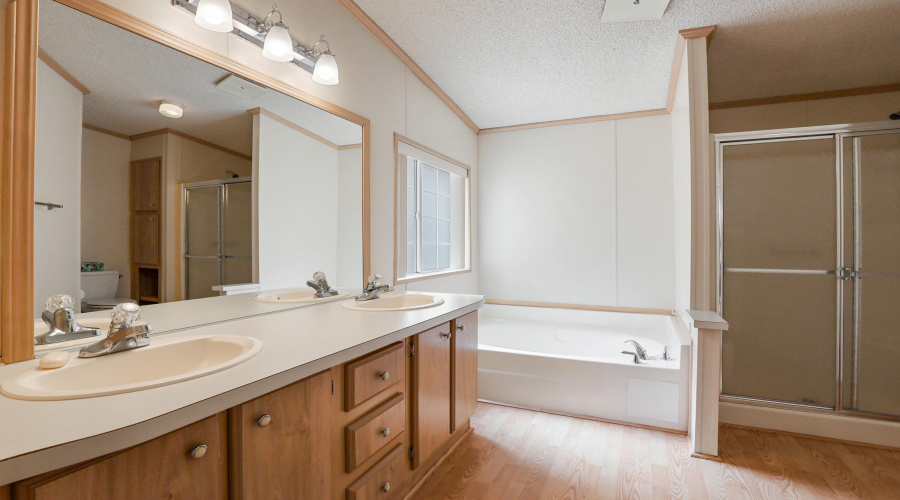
(433, 229)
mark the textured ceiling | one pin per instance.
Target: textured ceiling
(508, 62)
(128, 75)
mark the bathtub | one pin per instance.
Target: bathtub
(570, 361)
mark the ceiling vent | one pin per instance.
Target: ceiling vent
(240, 87)
(616, 11)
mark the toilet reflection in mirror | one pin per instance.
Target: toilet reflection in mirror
(174, 177)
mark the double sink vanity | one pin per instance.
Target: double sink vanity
(338, 399)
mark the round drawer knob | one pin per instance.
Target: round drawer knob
(386, 432)
(199, 452)
(264, 420)
(385, 375)
(461, 327)
(386, 488)
(446, 335)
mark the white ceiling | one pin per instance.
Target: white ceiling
(508, 62)
(128, 75)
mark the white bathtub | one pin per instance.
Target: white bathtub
(571, 361)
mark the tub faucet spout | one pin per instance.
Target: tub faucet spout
(638, 349)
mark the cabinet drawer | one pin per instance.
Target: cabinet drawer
(190, 463)
(373, 374)
(374, 430)
(379, 481)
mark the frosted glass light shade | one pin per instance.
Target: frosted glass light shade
(278, 45)
(326, 70)
(214, 15)
(171, 109)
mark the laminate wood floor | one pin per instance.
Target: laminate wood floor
(521, 454)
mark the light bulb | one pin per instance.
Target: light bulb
(214, 15)
(278, 45)
(326, 70)
(171, 109)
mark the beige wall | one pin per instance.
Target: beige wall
(856, 109)
(106, 204)
(296, 232)
(57, 174)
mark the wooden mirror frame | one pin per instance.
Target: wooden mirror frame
(18, 139)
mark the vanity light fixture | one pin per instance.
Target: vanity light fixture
(326, 70)
(171, 109)
(214, 15)
(272, 36)
(278, 45)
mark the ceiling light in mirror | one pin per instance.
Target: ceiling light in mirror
(214, 15)
(171, 109)
(278, 45)
(326, 70)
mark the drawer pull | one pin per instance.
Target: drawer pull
(264, 420)
(386, 488)
(447, 335)
(386, 432)
(461, 327)
(385, 375)
(199, 452)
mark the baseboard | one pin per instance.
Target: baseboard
(588, 417)
(845, 429)
(704, 456)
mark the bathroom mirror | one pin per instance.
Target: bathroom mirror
(161, 178)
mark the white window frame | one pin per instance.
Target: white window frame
(461, 239)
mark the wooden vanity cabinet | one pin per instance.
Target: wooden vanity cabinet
(281, 443)
(431, 391)
(371, 428)
(170, 466)
(464, 370)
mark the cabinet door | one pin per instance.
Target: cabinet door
(289, 455)
(432, 391)
(162, 468)
(146, 239)
(465, 368)
(145, 184)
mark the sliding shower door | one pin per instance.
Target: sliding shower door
(810, 269)
(873, 357)
(217, 236)
(780, 252)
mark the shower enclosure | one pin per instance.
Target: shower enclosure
(809, 268)
(217, 238)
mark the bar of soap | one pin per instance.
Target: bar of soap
(54, 360)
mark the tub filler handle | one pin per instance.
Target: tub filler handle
(637, 359)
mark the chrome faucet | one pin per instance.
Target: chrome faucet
(59, 315)
(123, 335)
(321, 286)
(373, 288)
(639, 350)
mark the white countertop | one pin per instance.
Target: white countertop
(40, 436)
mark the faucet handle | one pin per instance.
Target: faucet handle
(124, 314)
(59, 301)
(375, 280)
(319, 276)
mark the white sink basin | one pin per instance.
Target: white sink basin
(401, 302)
(163, 362)
(296, 295)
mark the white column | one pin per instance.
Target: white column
(706, 382)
